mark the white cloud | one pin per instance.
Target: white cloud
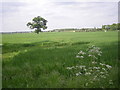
(75, 14)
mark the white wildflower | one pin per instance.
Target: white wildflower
(87, 73)
(81, 52)
(69, 68)
(89, 55)
(103, 69)
(82, 66)
(108, 66)
(101, 72)
(85, 69)
(81, 57)
(94, 62)
(99, 54)
(102, 64)
(77, 56)
(79, 73)
(96, 67)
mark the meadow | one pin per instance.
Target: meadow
(60, 60)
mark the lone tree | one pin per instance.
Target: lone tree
(37, 23)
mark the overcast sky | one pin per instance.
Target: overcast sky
(60, 13)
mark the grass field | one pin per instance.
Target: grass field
(48, 60)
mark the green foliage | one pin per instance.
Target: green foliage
(114, 26)
(37, 24)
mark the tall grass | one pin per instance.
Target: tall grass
(40, 60)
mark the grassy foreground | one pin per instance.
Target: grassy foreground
(48, 60)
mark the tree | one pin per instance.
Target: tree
(107, 27)
(103, 27)
(37, 23)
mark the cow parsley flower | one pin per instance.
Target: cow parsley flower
(87, 73)
(108, 66)
(79, 73)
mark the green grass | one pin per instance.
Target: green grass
(39, 60)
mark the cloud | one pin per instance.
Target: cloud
(11, 6)
(72, 14)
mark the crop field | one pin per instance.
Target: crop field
(60, 60)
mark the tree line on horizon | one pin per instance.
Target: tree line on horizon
(39, 23)
(114, 26)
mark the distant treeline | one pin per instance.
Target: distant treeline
(77, 30)
(114, 26)
(16, 32)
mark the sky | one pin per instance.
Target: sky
(15, 14)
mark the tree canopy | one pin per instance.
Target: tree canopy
(114, 26)
(37, 23)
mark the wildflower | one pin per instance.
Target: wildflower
(96, 67)
(103, 69)
(81, 52)
(79, 73)
(87, 73)
(102, 64)
(108, 66)
(81, 57)
(85, 69)
(70, 67)
(82, 66)
(101, 72)
(77, 56)
(89, 55)
(94, 62)
(99, 54)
